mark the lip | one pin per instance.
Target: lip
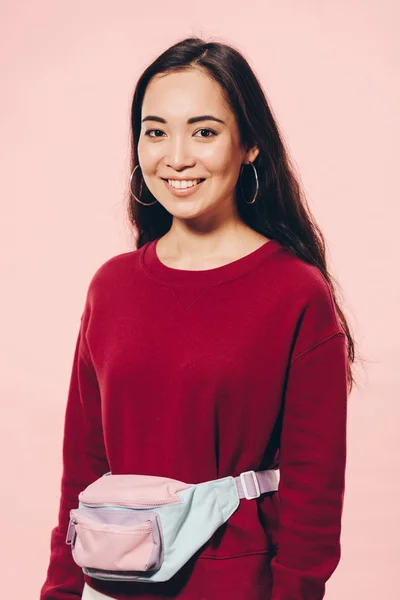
(183, 192)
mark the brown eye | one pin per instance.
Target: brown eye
(150, 131)
(209, 131)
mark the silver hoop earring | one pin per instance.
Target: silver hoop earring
(141, 186)
(257, 186)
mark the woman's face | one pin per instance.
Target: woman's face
(170, 147)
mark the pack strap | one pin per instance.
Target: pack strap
(251, 484)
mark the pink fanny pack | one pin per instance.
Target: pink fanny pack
(145, 528)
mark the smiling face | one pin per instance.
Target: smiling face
(173, 144)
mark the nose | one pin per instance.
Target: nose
(177, 157)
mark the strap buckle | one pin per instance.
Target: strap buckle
(247, 495)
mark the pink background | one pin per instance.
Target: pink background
(330, 70)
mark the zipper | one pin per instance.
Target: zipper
(86, 522)
(114, 527)
(139, 505)
(113, 506)
(71, 533)
(109, 575)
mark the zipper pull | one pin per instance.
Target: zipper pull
(71, 532)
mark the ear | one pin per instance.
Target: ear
(251, 155)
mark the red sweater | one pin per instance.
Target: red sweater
(196, 375)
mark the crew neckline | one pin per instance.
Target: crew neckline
(236, 268)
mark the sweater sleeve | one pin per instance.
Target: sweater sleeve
(84, 460)
(312, 471)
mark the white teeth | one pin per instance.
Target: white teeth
(183, 184)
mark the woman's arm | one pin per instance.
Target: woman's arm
(84, 460)
(312, 471)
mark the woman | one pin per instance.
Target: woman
(217, 346)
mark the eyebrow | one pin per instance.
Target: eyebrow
(189, 121)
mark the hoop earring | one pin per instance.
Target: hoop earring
(257, 186)
(141, 186)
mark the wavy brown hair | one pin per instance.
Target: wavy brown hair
(281, 211)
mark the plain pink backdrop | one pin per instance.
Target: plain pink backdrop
(330, 70)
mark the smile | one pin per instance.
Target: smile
(183, 188)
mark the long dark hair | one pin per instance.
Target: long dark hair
(280, 211)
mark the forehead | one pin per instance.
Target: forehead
(179, 96)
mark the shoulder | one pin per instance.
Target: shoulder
(116, 265)
(308, 298)
(301, 279)
(112, 273)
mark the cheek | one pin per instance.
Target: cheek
(225, 169)
(148, 159)
(220, 160)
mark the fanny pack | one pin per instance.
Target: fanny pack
(145, 528)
